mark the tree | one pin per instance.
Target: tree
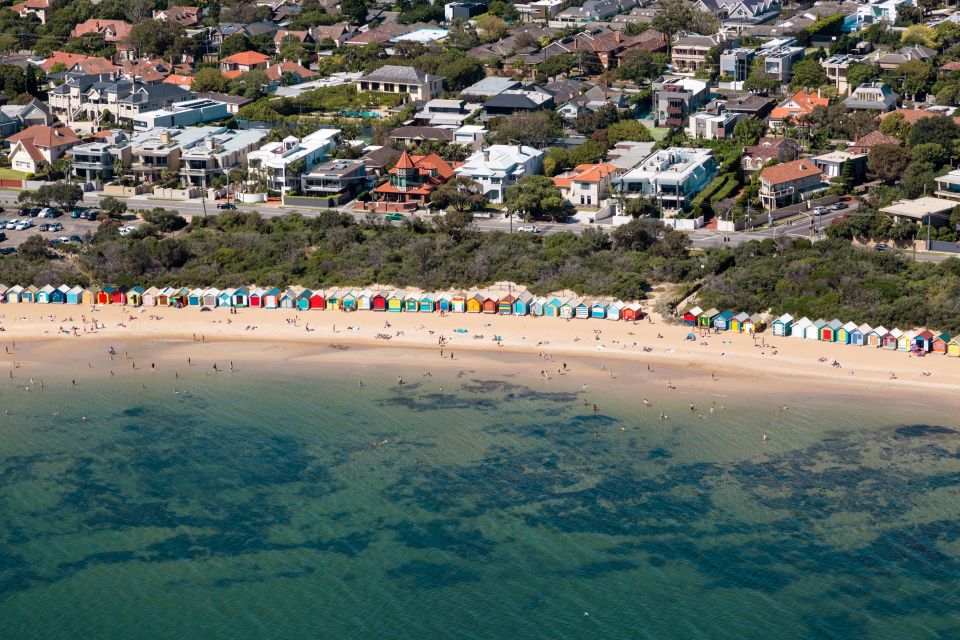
(590, 152)
(918, 76)
(113, 207)
(638, 235)
(919, 34)
(33, 249)
(556, 161)
(209, 79)
(460, 194)
(536, 197)
(632, 130)
(888, 161)
(537, 129)
(940, 129)
(639, 66)
(859, 73)
(493, 27)
(557, 65)
(354, 11)
(674, 16)
(455, 224)
(747, 131)
(165, 220)
(590, 121)
(237, 43)
(931, 153)
(918, 179)
(155, 38)
(895, 125)
(761, 81)
(64, 194)
(808, 74)
(504, 10)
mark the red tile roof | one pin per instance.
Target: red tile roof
(247, 58)
(46, 137)
(799, 104)
(789, 171)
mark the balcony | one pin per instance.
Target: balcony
(675, 111)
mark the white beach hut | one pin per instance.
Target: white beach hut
(614, 309)
(13, 293)
(799, 329)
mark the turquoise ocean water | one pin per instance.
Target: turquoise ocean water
(273, 504)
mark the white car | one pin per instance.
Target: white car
(821, 210)
(125, 231)
(529, 228)
(23, 225)
(11, 225)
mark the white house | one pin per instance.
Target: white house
(672, 176)
(588, 184)
(501, 166)
(39, 144)
(274, 160)
(409, 80)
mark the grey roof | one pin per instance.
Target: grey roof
(490, 86)
(421, 133)
(511, 101)
(260, 28)
(150, 92)
(225, 97)
(859, 98)
(394, 73)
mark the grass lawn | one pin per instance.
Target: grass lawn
(659, 133)
(10, 174)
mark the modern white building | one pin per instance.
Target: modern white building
(182, 114)
(671, 176)
(501, 166)
(282, 163)
(713, 126)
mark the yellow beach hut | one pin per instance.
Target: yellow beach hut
(475, 303)
(738, 321)
(395, 301)
(953, 347)
(89, 296)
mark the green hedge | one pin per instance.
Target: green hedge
(720, 187)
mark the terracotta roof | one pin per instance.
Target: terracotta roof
(404, 162)
(800, 103)
(31, 150)
(70, 60)
(282, 34)
(789, 171)
(593, 172)
(247, 58)
(178, 79)
(119, 28)
(275, 72)
(912, 115)
(875, 138)
(46, 137)
(951, 66)
(231, 74)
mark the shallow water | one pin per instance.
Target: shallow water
(269, 504)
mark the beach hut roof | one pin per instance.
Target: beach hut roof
(271, 292)
(31, 289)
(151, 291)
(137, 289)
(64, 288)
(741, 317)
(850, 326)
(76, 289)
(47, 289)
(429, 297)
(785, 318)
(695, 311)
(15, 289)
(508, 298)
(896, 333)
(616, 304)
(726, 314)
(803, 322)
(757, 317)
(711, 312)
(525, 296)
(864, 328)
(601, 304)
(635, 306)
(880, 331)
(212, 291)
(834, 324)
(944, 336)
(478, 297)
(819, 323)
(926, 334)
(289, 293)
(306, 293)
(444, 296)
(197, 292)
(4, 287)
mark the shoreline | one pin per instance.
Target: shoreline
(617, 346)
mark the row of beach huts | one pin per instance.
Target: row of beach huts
(521, 303)
(863, 335)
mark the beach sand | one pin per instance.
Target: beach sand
(51, 339)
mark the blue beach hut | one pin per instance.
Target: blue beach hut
(195, 298)
(74, 295)
(521, 303)
(445, 302)
(722, 320)
(426, 304)
(552, 308)
(241, 297)
(59, 295)
(303, 300)
(225, 298)
(411, 303)
(598, 310)
(348, 301)
(538, 306)
(582, 310)
(783, 325)
(43, 295)
(615, 310)
(858, 336)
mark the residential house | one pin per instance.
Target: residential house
(948, 185)
(39, 144)
(713, 125)
(187, 16)
(587, 185)
(749, 105)
(691, 53)
(890, 61)
(836, 67)
(833, 164)
(288, 72)
(111, 30)
(779, 56)
(591, 11)
(14, 117)
(513, 101)
(735, 64)
(182, 114)
(876, 11)
(593, 99)
(489, 87)
(234, 103)
(209, 160)
(740, 11)
(671, 176)
(462, 10)
(439, 112)
(471, 135)
(90, 96)
(243, 62)
(539, 10)
(922, 211)
(867, 142)
(767, 149)
(341, 179)
(787, 183)
(155, 154)
(283, 36)
(335, 34)
(795, 107)
(416, 84)
(98, 160)
(873, 96)
(38, 8)
(500, 166)
(411, 135)
(607, 47)
(378, 159)
(411, 181)
(675, 99)
(283, 163)
(77, 62)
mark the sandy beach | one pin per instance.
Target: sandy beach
(73, 336)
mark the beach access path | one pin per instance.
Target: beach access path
(758, 361)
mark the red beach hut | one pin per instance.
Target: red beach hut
(631, 313)
(940, 343)
(118, 296)
(378, 302)
(489, 305)
(317, 301)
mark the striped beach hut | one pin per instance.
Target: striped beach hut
(225, 298)
(411, 302)
(598, 310)
(940, 343)
(427, 303)
(737, 321)
(905, 341)
(783, 325)
(692, 316)
(843, 333)
(13, 294)
(632, 312)
(799, 328)
(953, 347)
(891, 339)
(505, 305)
(195, 298)
(722, 321)
(270, 299)
(44, 293)
(582, 310)
(828, 332)
(458, 303)
(521, 306)
(210, 297)
(59, 295)
(288, 299)
(551, 309)
(858, 337)
(135, 296)
(395, 300)
(923, 341)
(615, 310)
(75, 295)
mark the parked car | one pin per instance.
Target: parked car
(63, 240)
(23, 225)
(394, 216)
(55, 226)
(127, 230)
(529, 228)
(820, 211)
(226, 205)
(44, 227)
(11, 224)
(880, 246)
(3, 236)
(25, 211)
(76, 239)
(6, 251)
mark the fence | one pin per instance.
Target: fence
(776, 214)
(947, 247)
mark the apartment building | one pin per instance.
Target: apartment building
(671, 176)
(282, 163)
(675, 99)
(500, 166)
(206, 161)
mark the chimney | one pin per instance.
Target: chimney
(486, 155)
(164, 137)
(617, 38)
(210, 143)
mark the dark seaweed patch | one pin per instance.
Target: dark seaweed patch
(921, 431)
(429, 575)
(446, 535)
